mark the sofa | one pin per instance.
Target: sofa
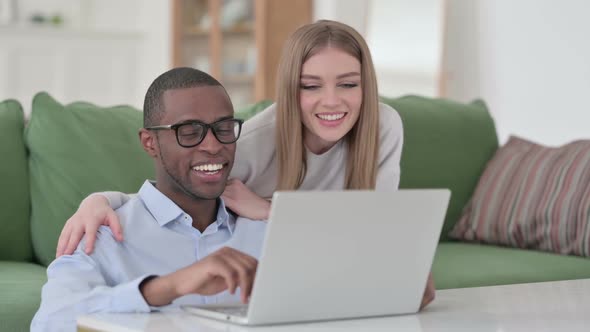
(62, 153)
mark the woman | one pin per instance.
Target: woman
(330, 133)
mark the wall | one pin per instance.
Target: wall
(405, 39)
(529, 59)
(105, 51)
(351, 12)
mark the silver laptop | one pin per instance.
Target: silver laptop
(347, 254)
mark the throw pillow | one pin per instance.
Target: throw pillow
(532, 196)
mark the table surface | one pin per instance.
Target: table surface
(547, 306)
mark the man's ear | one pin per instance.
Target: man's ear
(148, 142)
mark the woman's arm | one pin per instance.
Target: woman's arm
(95, 210)
(244, 202)
(391, 140)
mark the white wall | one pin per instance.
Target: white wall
(529, 59)
(155, 21)
(351, 12)
(405, 39)
(105, 52)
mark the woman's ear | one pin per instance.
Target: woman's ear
(148, 141)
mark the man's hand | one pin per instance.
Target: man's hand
(429, 292)
(226, 268)
(244, 202)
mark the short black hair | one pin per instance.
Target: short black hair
(177, 78)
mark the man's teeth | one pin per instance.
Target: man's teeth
(208, 167)
(331, 117)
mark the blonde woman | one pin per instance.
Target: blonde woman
(326, 131)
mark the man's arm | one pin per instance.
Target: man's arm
(76, 286)
(225, 269)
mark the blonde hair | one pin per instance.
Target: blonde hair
(362, 139)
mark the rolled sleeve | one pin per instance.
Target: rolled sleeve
(128, 298)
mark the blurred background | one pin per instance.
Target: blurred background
(528, 59)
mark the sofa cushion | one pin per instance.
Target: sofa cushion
(446, 145)
(20, 286)
(458, 265)
(76, 150)
(15, 238)
(532, 196)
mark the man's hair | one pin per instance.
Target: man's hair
(177, 78)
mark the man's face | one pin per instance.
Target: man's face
(194, 171)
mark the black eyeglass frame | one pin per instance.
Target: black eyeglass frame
(206, 127)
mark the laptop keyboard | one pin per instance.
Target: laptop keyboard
(234, 311)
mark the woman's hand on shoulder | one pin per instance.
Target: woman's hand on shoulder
(94, 211)
(244, 202)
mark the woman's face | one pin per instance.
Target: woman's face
(330, 96)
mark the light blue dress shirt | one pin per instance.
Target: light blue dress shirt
(159, 239)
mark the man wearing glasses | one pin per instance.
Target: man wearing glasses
(181, 248)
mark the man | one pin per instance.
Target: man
(180, 250)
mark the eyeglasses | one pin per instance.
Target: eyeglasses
(192, 133)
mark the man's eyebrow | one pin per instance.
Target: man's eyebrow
(225, 118)
(218, 119)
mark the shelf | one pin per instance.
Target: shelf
(239, 30)
(42, 31)
(240, 49)
(196, 32)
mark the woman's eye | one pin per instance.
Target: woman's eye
(349, 85)
(310, 87)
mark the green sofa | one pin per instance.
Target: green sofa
(66, 152)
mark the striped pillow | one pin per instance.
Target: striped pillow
(531, 196)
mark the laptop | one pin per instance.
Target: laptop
(340, 255)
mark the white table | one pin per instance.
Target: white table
(548, 306)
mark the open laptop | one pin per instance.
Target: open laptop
(347, 254)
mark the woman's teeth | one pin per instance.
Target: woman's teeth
(331, 117)
(208, 168)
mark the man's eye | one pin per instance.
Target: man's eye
(189, 134)
(225, 132)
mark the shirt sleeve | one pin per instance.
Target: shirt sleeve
(391, 138)
(76, 286)
(116, 199)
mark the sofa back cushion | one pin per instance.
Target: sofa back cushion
(75, 150)
(446, 145)
(15, 238)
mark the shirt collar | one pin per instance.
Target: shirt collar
(224, 218)
(164, 210)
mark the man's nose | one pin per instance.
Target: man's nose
(210, 144)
